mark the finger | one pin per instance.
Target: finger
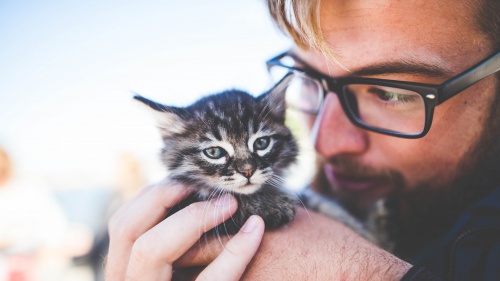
(203, 253)
(154, 252)
(239, 251)
(165, 183)
(139, 216)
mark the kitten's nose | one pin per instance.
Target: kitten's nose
(246, 170)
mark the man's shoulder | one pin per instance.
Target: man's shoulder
(483, 214)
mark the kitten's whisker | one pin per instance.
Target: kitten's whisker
(273, 183)
(201, 119)
(269, 111)
(224, 219)
(210, 197)
(232, 217)
(205, 208)
(302, 203)
(280, 179)
(213, 119)
(277, 180)
(260, 117)
(220, 192)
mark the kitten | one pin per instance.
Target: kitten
(234, 143)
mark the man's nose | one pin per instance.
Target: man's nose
(334, 134)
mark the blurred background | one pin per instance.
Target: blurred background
(74, 144)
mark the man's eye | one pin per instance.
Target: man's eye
(261, 143)
(393, 96)
(214, 152)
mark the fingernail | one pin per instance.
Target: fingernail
(224, 200)
(250, 225)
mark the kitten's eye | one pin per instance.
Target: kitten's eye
(214, 152)
(261, 143)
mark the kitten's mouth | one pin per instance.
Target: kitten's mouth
(248, 188)
(251, 184)
(248, 185)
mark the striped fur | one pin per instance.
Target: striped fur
(235, 143)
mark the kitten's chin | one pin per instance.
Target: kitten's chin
(246, 189)
(244, 186)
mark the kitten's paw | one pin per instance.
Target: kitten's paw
(275, 207)
(278, 212)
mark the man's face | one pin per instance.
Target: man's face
(439, 36)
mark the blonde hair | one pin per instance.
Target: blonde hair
(300, 20)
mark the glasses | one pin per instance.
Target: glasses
(397, 108)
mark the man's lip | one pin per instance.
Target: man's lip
(348, 183)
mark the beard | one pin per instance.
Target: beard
(404, 221)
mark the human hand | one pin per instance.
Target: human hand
(312, 247)
(143, 246)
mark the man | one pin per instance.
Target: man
(426, 182)
(438, 181)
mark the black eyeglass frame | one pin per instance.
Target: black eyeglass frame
(432, 94)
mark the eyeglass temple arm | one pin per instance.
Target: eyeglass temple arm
(469, 77)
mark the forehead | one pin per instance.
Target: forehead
(435, 32)
(229, 110)
(232, 117)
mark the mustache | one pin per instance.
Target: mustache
(351, 168)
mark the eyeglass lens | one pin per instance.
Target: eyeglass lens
(387, 108)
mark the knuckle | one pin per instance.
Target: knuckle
(116, 225)
(141, 251)
(234, 251)
(196, 208)
(119, 227)
(156, 191)
(146, 251)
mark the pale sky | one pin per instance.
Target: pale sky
(68, 70)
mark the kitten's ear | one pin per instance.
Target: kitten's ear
(274, 101)
(167, 118)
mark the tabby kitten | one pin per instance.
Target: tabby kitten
(234, 143)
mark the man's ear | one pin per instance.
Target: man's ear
(273, 101)
(167, 117)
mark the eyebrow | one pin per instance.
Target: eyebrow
(403, 67)
(392, 67)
